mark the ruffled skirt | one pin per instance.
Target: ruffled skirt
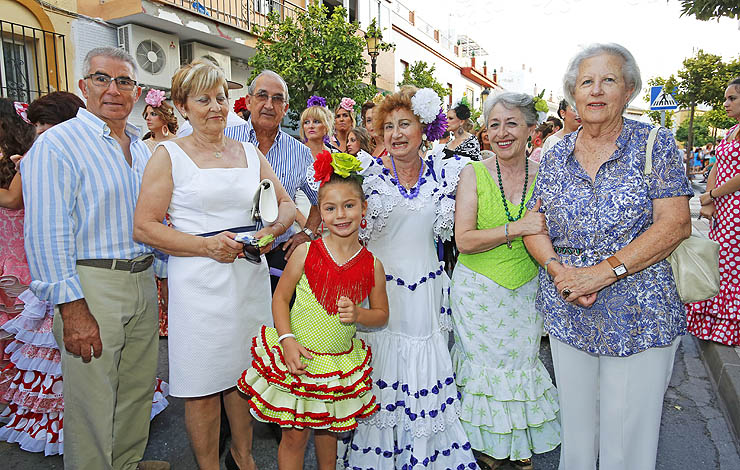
(32, 384)
(509, 404)
(332, 395)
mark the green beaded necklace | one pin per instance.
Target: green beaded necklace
(524, 190)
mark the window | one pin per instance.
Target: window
(32, 62)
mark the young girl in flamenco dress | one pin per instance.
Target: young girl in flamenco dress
(310, 372)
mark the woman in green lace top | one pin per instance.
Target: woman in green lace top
(509, 405)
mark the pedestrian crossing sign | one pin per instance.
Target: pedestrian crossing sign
(660, 100)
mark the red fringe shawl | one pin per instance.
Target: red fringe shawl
(329, 281)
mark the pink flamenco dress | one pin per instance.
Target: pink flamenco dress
(718, 319)
(31, 379)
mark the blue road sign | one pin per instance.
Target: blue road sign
(660, 100)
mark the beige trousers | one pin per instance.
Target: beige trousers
(610, 407)
(107, 402)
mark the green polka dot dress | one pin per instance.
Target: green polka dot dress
(336, 389)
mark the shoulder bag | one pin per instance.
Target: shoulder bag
(695, 262)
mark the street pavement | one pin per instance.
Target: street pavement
(694, 432)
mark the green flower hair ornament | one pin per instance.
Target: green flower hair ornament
(540, 105)
(345, 164)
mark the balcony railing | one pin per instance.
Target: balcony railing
(33, 62)
(243, 14)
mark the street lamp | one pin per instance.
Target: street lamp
(484, 95)
(373, 49)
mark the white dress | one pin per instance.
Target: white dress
(413, 380)
(214, 308)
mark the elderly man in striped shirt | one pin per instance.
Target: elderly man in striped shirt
(81, 181)
(290, 159)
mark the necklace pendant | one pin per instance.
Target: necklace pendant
(218, 154)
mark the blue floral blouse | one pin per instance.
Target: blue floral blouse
(589, 221)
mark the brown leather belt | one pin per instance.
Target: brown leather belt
(133, 266)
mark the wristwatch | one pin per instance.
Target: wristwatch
(309, 233)
(618, 267)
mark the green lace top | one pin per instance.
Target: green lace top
(510, 268)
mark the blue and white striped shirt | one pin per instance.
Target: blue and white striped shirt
(290, 160)
(80, 195)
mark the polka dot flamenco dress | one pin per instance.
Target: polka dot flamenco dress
(336, 389)
(718, 319)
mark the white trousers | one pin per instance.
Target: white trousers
(610, 407)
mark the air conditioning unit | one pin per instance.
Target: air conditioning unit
(189, 51)
(157, 54)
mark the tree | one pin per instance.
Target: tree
(700, 81)
(700, 133)
(710, 9)
(421, 75)
(316, 53)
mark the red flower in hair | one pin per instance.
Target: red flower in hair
(240, 105)
(322, 167)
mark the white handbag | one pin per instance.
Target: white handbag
(695, 262)
(264, 204)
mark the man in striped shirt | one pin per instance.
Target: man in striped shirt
(267, 100)
(81, 181)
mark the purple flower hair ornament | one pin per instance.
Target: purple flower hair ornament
(315, 100)
(435, 129)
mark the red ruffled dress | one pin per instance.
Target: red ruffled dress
(336, 389)
(14, 274)
(718, 319)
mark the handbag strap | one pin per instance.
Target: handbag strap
(649, 149)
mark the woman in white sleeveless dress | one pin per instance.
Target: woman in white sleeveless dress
(217, 301)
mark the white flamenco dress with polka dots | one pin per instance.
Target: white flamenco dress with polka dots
(718, 319)
(418, 422)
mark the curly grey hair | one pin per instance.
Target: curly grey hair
(630, 70)
(110, 52)
(512, 100)
(253, 85)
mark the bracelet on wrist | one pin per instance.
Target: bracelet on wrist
(711, 196)
(506, 234)
(286, 335)
(282, 225)
(547, 263)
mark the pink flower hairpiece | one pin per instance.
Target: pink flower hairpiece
(347, 103)
(154, 98)
(20, 109)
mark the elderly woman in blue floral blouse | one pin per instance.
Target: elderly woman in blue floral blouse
(606, 290)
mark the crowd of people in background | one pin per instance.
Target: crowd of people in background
(383, 279)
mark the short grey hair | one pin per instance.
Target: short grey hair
(630, 70)
(270, 73)
(511, 100)
(111, 52)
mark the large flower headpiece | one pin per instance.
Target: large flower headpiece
(315, 100)
(427, 106)
(240, 105)
(154, 98)
(347, 104)
(343, 164)
(540, 105)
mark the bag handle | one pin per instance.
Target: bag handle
(649, 149)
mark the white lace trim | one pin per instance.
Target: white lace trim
(383, 196)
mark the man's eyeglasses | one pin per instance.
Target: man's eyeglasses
(102, 80)
(262, 97)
